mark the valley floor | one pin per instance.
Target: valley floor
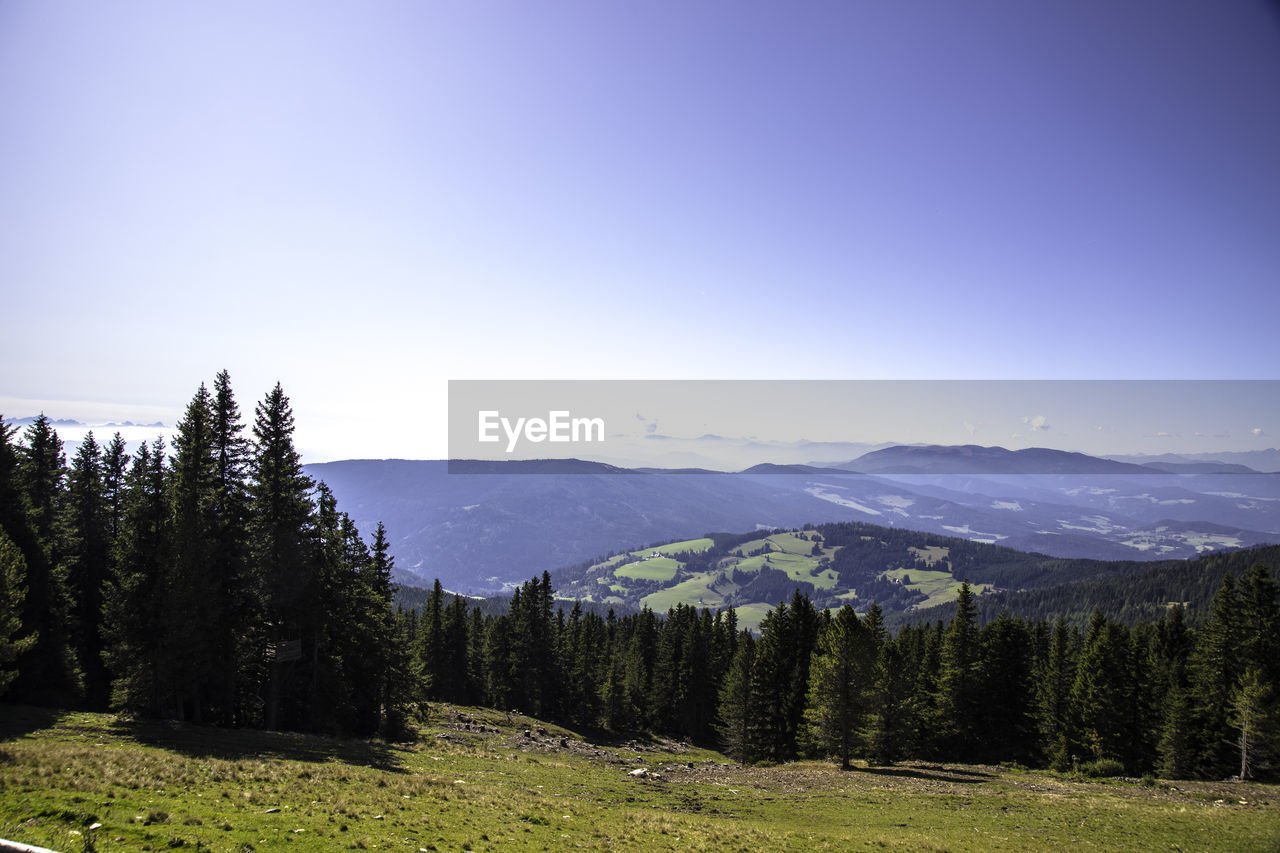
(481, 780)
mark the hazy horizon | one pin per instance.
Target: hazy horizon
(365, 201)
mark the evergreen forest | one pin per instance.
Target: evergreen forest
(214, 582)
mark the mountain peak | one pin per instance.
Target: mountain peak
(977, 459)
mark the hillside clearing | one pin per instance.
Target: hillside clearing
(486, 781)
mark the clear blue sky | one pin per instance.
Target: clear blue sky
(363, 200)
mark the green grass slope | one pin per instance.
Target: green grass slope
(698, 573)
(913, 576)
(482, 781)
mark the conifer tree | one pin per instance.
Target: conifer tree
(1253, 714)
(49, 673)
(780, 678)
(637, 647)
(281, 556)
(400, 692)
(803, 638)
(56, 670)
(1214, 671)
(238, 642)
(1260, 623)
(571, 650)
(1175, 748)
(530, 673)
(841, 682)
(86, 525)
(640, 642)
(456, 672)
(1053, 695)
(724, 644)
(429, 651)
(618, 711)
(43, 471)
(405, 700)
(1174, 735)
(370, 632)
(771, 670)
(925, 696)
(959, 685)
(190, 610)
(477, 632)
(890, 714)
(497, 661)
(115, 467)
(342, 654)
(1101, 692)
(669, 674)
(133, 596)
(589, 643)
(1007, 727)
(1147, 687)
(1255, 703)
(543, 668)
(737, 708)
(13, 640)
(695, 698)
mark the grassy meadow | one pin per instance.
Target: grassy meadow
(481, 780)
(611, 581)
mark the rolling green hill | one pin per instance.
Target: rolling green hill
(753, 572)
(910, 574)
(483, 780)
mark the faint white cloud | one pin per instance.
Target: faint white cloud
(650, 424)
(1038, 423)
(1258, 431)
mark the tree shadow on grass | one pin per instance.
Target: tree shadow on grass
(235, 744)
(935, 774)
(20, 720)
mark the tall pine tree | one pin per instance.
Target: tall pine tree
(1215, 671)
(841, 681)
(238, 642)
(86, 527)
(959, 684)
(133, 598)
(31, 490)
(13, 591)
(189, 656)
(282, 557)
(738, 709)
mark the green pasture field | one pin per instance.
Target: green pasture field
(790, 543)
(78, 781)
(695, 592)
(941, 587)
(655, 569)
(688, 546)
(932, 554)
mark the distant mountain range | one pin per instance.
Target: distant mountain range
(1256, 460)
(489, 524)
(974, 459)
(71, 423)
